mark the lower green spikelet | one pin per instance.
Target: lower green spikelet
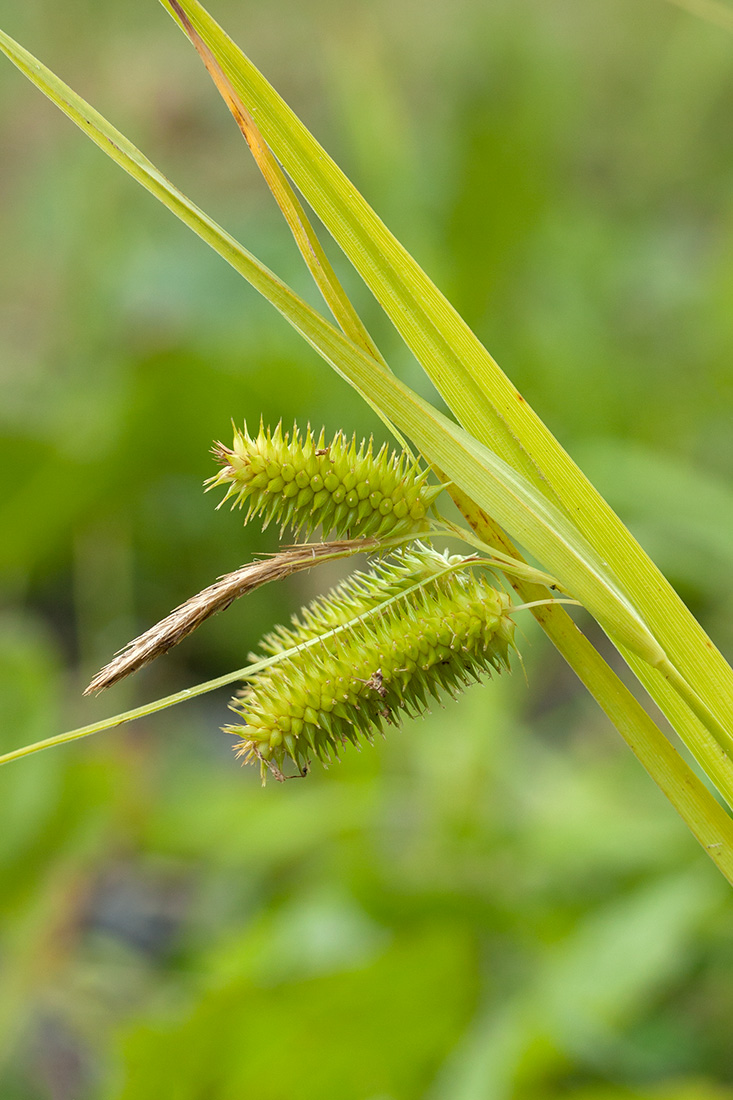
(382, 644)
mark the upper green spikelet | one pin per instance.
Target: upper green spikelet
(416, 626)
(302, 482)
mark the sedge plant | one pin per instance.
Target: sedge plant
(517, 489)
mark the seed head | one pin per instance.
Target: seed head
(415, 627)
(304, 482)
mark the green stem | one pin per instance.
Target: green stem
(132, 715)
(505, 562)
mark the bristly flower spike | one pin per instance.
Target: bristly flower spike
(381, 644)
(302, 482)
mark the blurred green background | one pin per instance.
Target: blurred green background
(496, 902)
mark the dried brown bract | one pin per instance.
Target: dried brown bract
(185, 619)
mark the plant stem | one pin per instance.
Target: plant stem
(131, 715)
(516, 566)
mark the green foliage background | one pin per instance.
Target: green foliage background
(495, 902)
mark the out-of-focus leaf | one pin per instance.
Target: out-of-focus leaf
(377, 1030)
(668, 500)
(29, 701)
(581, 990)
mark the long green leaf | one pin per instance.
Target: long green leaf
(474, 387)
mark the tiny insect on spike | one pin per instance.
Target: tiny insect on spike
(303, 482)
(370, 652)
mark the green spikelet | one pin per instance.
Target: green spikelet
(303, 483)
(410, 630)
